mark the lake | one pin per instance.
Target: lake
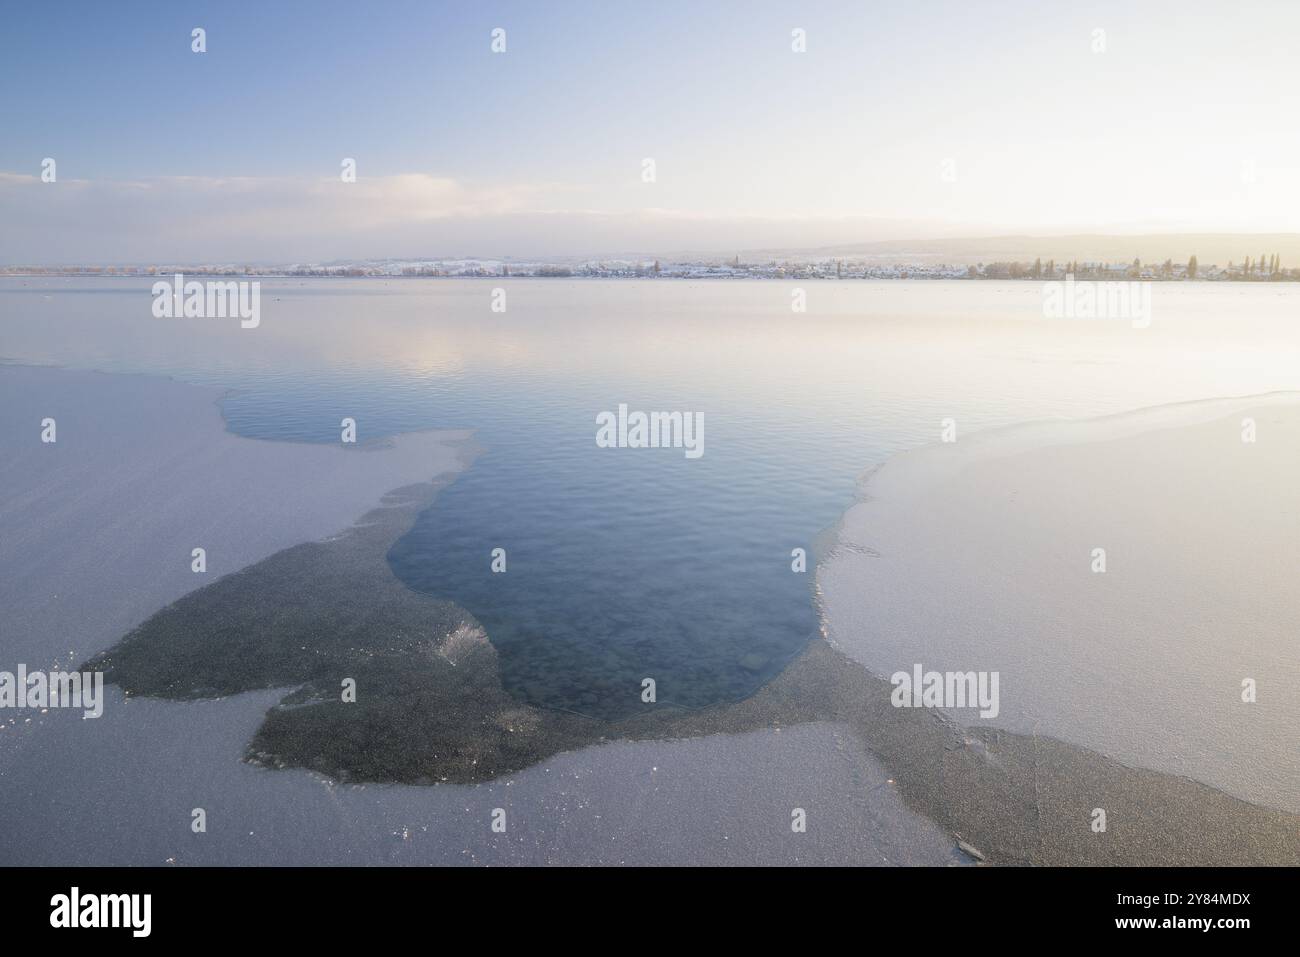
(630, 563)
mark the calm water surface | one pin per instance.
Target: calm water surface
(633, 563)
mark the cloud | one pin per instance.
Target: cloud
(182, 219)
(239, 218)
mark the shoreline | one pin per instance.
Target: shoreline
(689, 277)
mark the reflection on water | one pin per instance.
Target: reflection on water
(624, 564)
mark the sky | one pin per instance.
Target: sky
(898, 120)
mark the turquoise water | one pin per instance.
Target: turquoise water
(626, 564)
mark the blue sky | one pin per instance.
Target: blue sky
(1185, 121)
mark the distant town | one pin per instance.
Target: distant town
(1265, 268)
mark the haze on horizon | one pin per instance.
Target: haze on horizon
(905, 121)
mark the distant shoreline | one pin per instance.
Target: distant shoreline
(789, 273)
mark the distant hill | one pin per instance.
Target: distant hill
(1209, 249)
